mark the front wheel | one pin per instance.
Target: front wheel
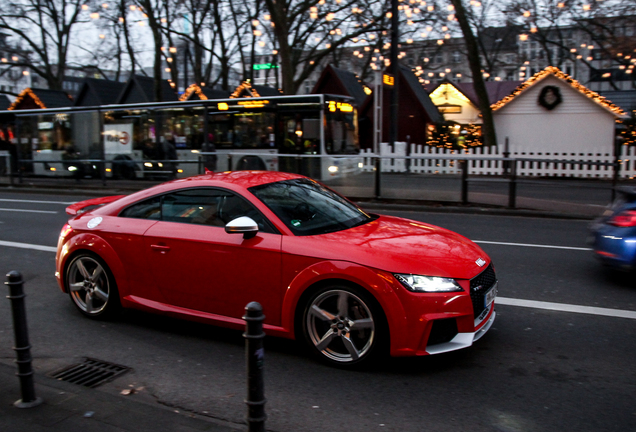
(91, 286)
(343, 326)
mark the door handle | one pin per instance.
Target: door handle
(160, 248)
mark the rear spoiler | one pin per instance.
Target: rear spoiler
(78, 207)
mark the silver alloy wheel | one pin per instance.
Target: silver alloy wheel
(340, 326)
(89, 286)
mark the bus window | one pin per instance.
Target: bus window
(341, 134)
(252, 130)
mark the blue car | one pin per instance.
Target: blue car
(614, 233)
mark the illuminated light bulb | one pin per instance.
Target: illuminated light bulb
(268, 17)
(274, 52)
(169, 59)
(167, 69)
(261, 43)
(533, 30)
(451, 17)
(389, 14)
(447, 36)
(257, 33)
(447, 70)
(141, 23)
(133, 7)
(255, 23)
(84, 7)
(102, 36)
(444, 28)
(561, 5)
(173, 50)
(313, 15)
(25, 73)
(423, 34)
(430, 8)
(586, 7)
(526, 14)
(327, 46)
(409, 22)
(121, 19)
(94, 15)
(523, 37)
(330, 16)
(440, 42)
(409, 41)
(105, 5)
(429, 29)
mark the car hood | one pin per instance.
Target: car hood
(399, 246)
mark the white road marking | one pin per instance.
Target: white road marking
(28, 246)
(562, 307)
(28, 211)
(559, 307)
(533, 245)
(37, 201)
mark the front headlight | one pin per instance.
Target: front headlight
(430, 284)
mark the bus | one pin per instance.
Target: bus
(314, 135)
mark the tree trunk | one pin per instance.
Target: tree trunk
(488, 125)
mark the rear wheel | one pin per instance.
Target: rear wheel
(343, 326)
(91, 286)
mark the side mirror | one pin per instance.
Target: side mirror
(242, 225)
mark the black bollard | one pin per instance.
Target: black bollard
(22, 347)
(255, 356)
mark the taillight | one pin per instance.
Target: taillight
(624, 219)
(66, 230)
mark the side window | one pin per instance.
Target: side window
(195, 206)
(148, 209)
(212, 207)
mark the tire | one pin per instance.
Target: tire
(344, 326)
(91, 286)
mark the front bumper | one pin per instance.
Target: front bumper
(464, 340)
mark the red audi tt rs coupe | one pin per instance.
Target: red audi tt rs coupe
(351, 284)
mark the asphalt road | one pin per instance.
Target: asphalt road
(536, 370)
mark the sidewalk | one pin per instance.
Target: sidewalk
(72, 408)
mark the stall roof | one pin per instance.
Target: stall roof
(99, 92)
(194, 92)
(336, 80)
(5, 102)
(247, 90)
(554, 71)
(41, 98)
(140, 89)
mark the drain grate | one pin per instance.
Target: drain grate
(90, 373)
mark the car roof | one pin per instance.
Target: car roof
(244, 179)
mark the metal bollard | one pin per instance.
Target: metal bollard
(22, 346)
(255, 356)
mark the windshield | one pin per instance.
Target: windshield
(309, 208)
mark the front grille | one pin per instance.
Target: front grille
(478, 287)
(90, 373)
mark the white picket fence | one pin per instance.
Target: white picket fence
(489, 161)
